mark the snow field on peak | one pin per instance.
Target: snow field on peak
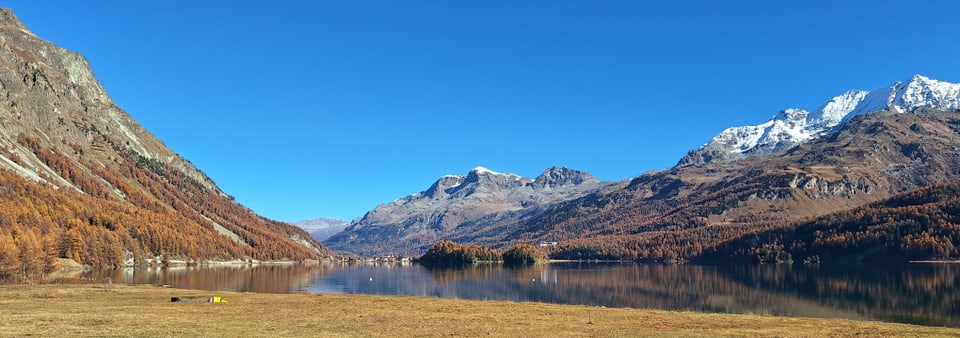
(482, 170)
(794, 126)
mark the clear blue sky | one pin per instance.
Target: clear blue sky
(306, 109)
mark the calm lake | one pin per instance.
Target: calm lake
(925, 294)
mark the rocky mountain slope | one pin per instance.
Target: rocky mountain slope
(455, 206)
(62, 137)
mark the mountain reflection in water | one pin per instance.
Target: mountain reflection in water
(917, 294)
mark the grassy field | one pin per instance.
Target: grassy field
(146, 311)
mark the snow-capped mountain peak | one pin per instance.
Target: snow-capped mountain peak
(795, 126)
(481, 170)
(926, 92)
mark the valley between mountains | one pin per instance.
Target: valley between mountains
(870, 175)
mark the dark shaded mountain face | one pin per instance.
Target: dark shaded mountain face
(118, 191)
(458, 206)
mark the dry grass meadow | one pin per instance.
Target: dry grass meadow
(146, 311)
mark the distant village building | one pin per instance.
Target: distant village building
(548, 244)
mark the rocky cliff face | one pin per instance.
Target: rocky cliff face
(51, 92)
(455, 205)
(59, 128)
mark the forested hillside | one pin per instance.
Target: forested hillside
(919, 225)
(40, 223)
(81, 180)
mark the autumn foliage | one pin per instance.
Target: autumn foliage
(140, 208)
(922, 224)
(447, 253)
(523, 254)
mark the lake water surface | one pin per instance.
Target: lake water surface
(925, 294)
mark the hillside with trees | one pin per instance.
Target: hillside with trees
(39, 224)
(81, 180)
(920, 225)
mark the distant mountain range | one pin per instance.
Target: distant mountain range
(859, 148)
(323, 228)
(456, 206)
(80, 179)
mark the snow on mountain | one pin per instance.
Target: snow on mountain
(479, 170)
(482, 170)
(832, 113)
(795, 126)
